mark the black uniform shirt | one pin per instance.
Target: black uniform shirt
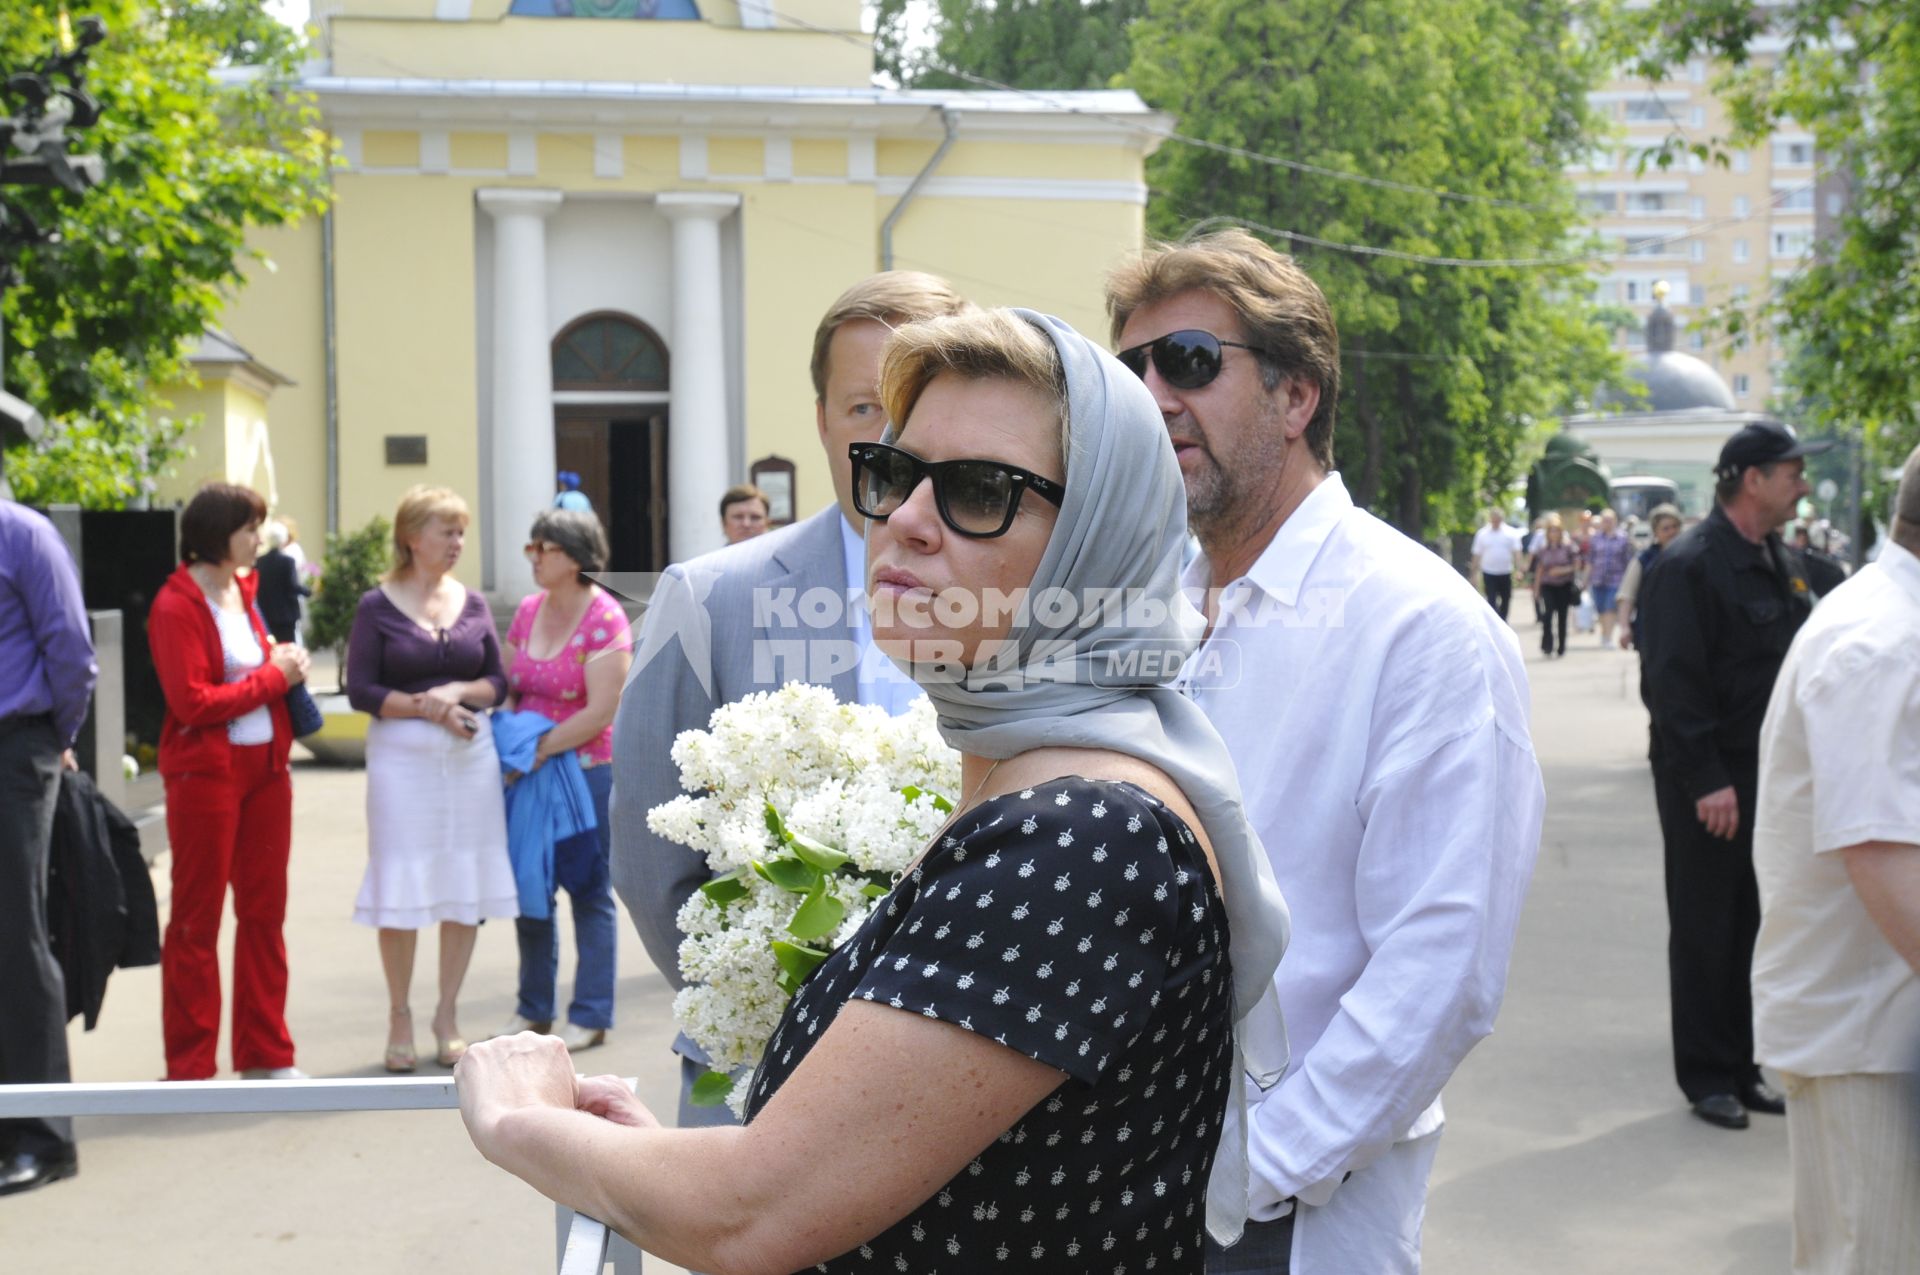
(1718, 613)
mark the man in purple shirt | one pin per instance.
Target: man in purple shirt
(1609, 551)
(47, 653)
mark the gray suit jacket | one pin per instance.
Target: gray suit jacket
(711, 602)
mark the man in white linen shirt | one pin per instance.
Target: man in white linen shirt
(1379, 725)
(1495, 546)
(1836, 967)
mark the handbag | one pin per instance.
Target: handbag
(305, 714)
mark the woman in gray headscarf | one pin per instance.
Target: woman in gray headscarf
(1031, 1053)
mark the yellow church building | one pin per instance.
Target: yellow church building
(596, 235)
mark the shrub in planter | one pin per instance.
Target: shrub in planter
(353, 564)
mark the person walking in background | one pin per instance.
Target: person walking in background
(1609, 554)
(1836, 967)
(567, 655)
(281, 588)
(569, 495)
(424, 660)
(1556, 564)
(743, 512)
(223, 755)
(679, 688)
(1379, 726)
(47, 652)
(1722, 604)
(1665, 523)
(1495, 547)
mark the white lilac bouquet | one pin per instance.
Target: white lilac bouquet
(805, 808)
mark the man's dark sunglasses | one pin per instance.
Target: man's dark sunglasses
(1187, 359)
(976, 498)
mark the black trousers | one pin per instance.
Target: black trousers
(1499, 588)
(1265, 1248)
(1713, 914)
(1555, 600)
(33, 996)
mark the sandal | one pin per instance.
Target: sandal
(400, 1057)
(452, 1050)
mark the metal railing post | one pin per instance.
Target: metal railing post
(108, 721)
(583, 1246)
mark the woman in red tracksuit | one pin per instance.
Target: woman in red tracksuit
(223, 755)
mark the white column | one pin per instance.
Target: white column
(521, 467)
(697, 412)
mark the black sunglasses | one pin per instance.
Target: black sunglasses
(1187, 359)
(976, 498)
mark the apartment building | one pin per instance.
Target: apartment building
(1715, 234)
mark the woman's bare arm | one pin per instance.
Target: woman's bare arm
(606, 675)
(888, 1107)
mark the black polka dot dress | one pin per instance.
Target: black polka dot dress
(1078, 923)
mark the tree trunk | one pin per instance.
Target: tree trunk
(1410, 504)
(1368, 488)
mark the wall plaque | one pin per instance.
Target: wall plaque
(406, 449)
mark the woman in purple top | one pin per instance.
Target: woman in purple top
(1555, 564)
(424, 659)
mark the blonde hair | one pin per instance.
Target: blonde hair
(892, 297)
(1283, 314)
(420, 506)
(985, 345)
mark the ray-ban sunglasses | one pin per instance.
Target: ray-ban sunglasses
(976, 498)
(1187, 359)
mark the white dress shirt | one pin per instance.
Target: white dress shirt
(1379, 725)
(1839, 766)
(880, 680)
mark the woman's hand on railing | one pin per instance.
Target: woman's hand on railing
(507, 1074)
(610, 1098)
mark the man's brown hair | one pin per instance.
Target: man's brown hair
(1282, 311)
(740, 494)
(892, 297)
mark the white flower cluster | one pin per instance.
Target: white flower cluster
(836, 774)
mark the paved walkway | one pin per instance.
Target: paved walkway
(1568, 1148)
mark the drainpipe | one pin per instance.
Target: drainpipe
(950, 120)
(332, 369)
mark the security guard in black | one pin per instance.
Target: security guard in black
(1718, 611)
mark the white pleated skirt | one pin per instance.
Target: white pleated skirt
(436, 828)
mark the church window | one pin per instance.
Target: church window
(607, 351)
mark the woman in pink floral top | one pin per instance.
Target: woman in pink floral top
(567, 653)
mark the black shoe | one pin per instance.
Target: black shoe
(1721, 1109)
(1764, 1098)
(26, 1170)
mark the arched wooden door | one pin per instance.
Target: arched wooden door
(610, 377)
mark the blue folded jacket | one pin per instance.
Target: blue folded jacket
(544, 806)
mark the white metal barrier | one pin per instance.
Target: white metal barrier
(582, 1245)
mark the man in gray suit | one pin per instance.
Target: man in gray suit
(734, 621)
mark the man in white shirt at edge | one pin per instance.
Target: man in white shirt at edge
(1379, 725)
(1495, 546)
(1836, 967)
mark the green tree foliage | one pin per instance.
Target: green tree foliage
(202, 138)
(1449, 372)
(1849, 72)
(1029, 44)
(353, 564)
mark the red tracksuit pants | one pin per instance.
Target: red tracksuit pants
(234, 829)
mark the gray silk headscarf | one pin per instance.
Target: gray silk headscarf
(1123, 525)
